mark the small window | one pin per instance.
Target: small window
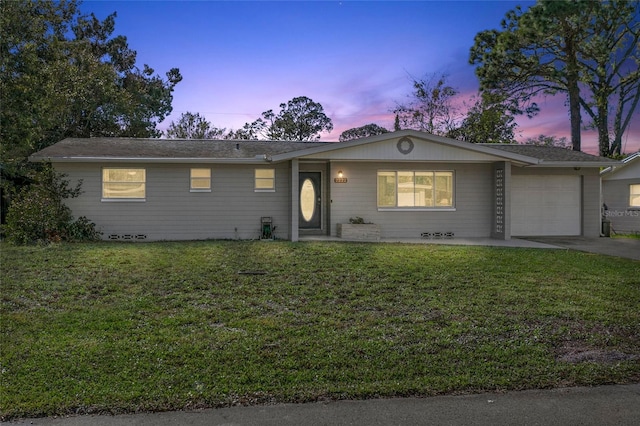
(634, 195)
(265, 180)
(200, 180)
(120, 183)
(415, 189)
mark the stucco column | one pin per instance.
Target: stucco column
(295, 199)
(501, 218)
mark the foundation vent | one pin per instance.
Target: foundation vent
(127, 237)
(437, 235)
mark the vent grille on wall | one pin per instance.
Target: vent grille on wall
(127, 237)
(437, 235)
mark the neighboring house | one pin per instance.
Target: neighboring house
(409, 183)
(621, 195)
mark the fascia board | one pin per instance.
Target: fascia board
(148, 160)
(575, 164)
(621, 164)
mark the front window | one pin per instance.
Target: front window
(634, 195)
(200, 180)
(121, 183)
(265, 180)
(407, 189)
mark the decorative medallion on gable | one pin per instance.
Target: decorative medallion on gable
(405, 145)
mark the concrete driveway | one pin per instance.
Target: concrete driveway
(620, 247)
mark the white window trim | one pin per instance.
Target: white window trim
(451, 208)
(264, 189)
(629, 196)
(417, 209)
(122, 200)
(191, 188)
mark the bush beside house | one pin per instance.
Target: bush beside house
(38, 213)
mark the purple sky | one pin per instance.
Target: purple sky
(355, 58)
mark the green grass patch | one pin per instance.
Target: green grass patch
(111, 327)
(635, 236)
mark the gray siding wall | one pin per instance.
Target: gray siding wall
(232, 210)
(358, 197)
(591, 213)
(615, 194)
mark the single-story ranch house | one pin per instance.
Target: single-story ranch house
(621, 195)
(408, 183)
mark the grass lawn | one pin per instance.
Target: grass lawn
(635, 236)
(112, 327)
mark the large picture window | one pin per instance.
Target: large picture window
(415, 189)
(201, 180)
(265, 180)
(634, 195)
(121, 183)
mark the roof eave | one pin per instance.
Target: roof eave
(574, 163)
(621, 164)
(262, 160)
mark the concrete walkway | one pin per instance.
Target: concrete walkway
(603, 405)
(621, 247)
(514, 242)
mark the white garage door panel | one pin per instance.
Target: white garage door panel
(545, 205)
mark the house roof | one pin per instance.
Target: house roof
(552, 155)
(101, 149)
(438, 140)
(242, 151)
(629, 160)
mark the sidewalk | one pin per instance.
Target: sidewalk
(603, 405)
(621, 247)
(514, 242)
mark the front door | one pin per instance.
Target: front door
(310, 200)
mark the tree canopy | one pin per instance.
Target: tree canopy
(488, 120)
(585, 49)
(367, 130)
(64, 74)
(544, 140)
(429, 108)
(193, 126)
(300, 119)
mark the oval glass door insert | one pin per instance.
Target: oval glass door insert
(307, 199)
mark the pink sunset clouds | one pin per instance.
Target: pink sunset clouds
(239, 59)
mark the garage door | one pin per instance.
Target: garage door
(545, 205)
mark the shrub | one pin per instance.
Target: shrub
(83, 230)
(38, 213)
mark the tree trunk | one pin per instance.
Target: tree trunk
(603, 128)
(574, 92)
(574, 113)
